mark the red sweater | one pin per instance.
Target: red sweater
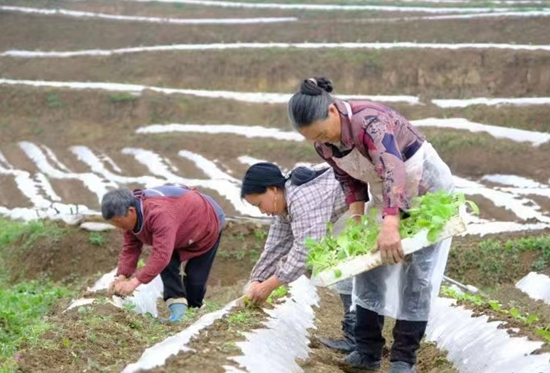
(188, 224)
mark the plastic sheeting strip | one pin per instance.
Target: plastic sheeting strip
(286, 332)
(156, 355)
(478, 346)
(536, 285)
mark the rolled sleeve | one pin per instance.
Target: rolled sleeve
(310, 218)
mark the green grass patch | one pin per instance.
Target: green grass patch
(98, 238)
(22, 311)
(122, 97)
(495, 261)
(20, 236)
(23, 305)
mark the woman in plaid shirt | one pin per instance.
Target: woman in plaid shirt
(374, 150)
(302, 205)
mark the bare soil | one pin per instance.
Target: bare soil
(325, 360)
(66, 255)
(97, 33)
(493, 266)
(175, 10)
(90, 118)
(428, 73)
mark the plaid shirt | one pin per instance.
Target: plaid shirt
(310, 207)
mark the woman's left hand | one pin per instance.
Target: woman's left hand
(389, 240)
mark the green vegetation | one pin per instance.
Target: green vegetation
(98, 238)
(278, 293)
(241, 319)
(497, 307)
(24, 305)
(498, 261)
(122, 97)
(429, 212)
(53, 101)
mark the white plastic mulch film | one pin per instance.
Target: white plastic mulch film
(476, 345)
(536, 286)
(143, 300)
(156, 355)
(275, 348)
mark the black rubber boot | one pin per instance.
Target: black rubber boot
(360, 361)
(347, 344)
(369, 341)
(406, 341)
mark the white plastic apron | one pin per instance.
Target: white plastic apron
(405, 290)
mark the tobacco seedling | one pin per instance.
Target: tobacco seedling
(431, 211)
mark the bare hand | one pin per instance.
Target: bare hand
(389, 241)
(126, 287)
(111, 289)
(258, 292)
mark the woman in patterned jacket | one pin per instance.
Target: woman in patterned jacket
(302, 205)
(374, 149)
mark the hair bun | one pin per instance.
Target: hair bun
(315, 86)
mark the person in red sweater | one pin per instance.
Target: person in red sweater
(181, 225)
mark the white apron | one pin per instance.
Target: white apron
(405, 290)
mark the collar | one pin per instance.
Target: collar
(139, 210)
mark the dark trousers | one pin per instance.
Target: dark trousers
(193, 286)
(406, 336)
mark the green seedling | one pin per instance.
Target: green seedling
(280, 292)
(496, 306)
(544, 333)
(429, 212)
(531, 319)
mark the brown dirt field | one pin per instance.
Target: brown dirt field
(325, 360)
(156, 9)
(26, 111)
(215, 344)
(90, 118)
(97, 33)
(101, 338)
(486, 268)
(66, 254)
(488, 210)
(426, 73)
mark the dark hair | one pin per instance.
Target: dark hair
(311, 102)
(261, 176)
(117, 203)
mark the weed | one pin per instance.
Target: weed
(260, 235)
(97, 238)
(122, 97)
(544, 333)
(500, 260)
(22, 307)
(280, 292)
(53, 101)
(241, 319)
